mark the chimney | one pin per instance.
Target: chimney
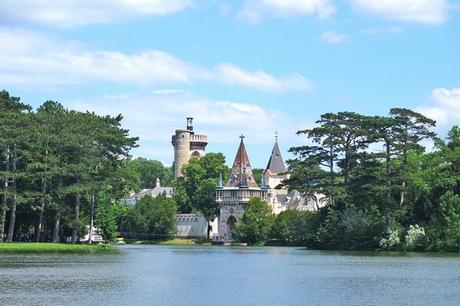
(190, 123)
(158, 182)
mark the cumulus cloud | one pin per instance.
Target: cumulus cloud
(431, 12)
(155, 115)
(30, 59)
(332, 37)
(234, 75)
(70, 13)
(255, 10)
(444, 107)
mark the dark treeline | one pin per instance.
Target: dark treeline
(57, 166)
(384, 191)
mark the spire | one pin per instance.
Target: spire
(275, 163)
(221, 181)
(241, 173)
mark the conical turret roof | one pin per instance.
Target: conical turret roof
(241, 173)
(275, 164)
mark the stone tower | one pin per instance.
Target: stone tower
(187, 144)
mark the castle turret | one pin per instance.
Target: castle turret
(276, 171)
(241, 173)
(187, 144)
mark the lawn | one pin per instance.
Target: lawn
(30, 247)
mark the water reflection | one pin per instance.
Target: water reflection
(159, 275)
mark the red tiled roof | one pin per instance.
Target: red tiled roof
(241, 173)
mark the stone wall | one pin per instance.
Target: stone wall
(194, 226)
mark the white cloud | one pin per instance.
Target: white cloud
(444, 107)
(70, 13)
(234, 75)
(154, 117)
(431, 12)
(332, 37)
(255, 10)
(382, 30)
(29, 59)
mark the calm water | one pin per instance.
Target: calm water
(160, 275)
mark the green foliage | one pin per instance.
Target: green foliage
(256, 223)
(195, 191)
(106, 219)
(146, 172)
(352, 229)
(393, 238)
(257, 174)
(294, 227)
(155, 216)
(55, 161)
(444, 233)
(415, 238)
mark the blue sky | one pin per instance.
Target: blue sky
(251, 67)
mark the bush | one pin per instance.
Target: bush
(415, 238)
(392, 239)
(294, 227)
(153, 216)
(256, 223)
(352, 229)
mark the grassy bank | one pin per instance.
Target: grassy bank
(176, 241)
(29, 247)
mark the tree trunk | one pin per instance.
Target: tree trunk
(9, 238)
(91, 216)
(403, 188)
(331, 172)
(388, 171)
(5, 197)
(388, 179)
(4, 206)
(76, 214)
(405, 166)
(57, 222)
(42, 209)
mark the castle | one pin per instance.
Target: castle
(233, 196)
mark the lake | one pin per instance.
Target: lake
(168, 275)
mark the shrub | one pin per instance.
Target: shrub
(256, 223)
(415, 238)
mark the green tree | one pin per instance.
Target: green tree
(195, 191)
(148, 171)
(256, 223)
(154, 216)
(410, 128)
(294, 227)
(13, 120)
